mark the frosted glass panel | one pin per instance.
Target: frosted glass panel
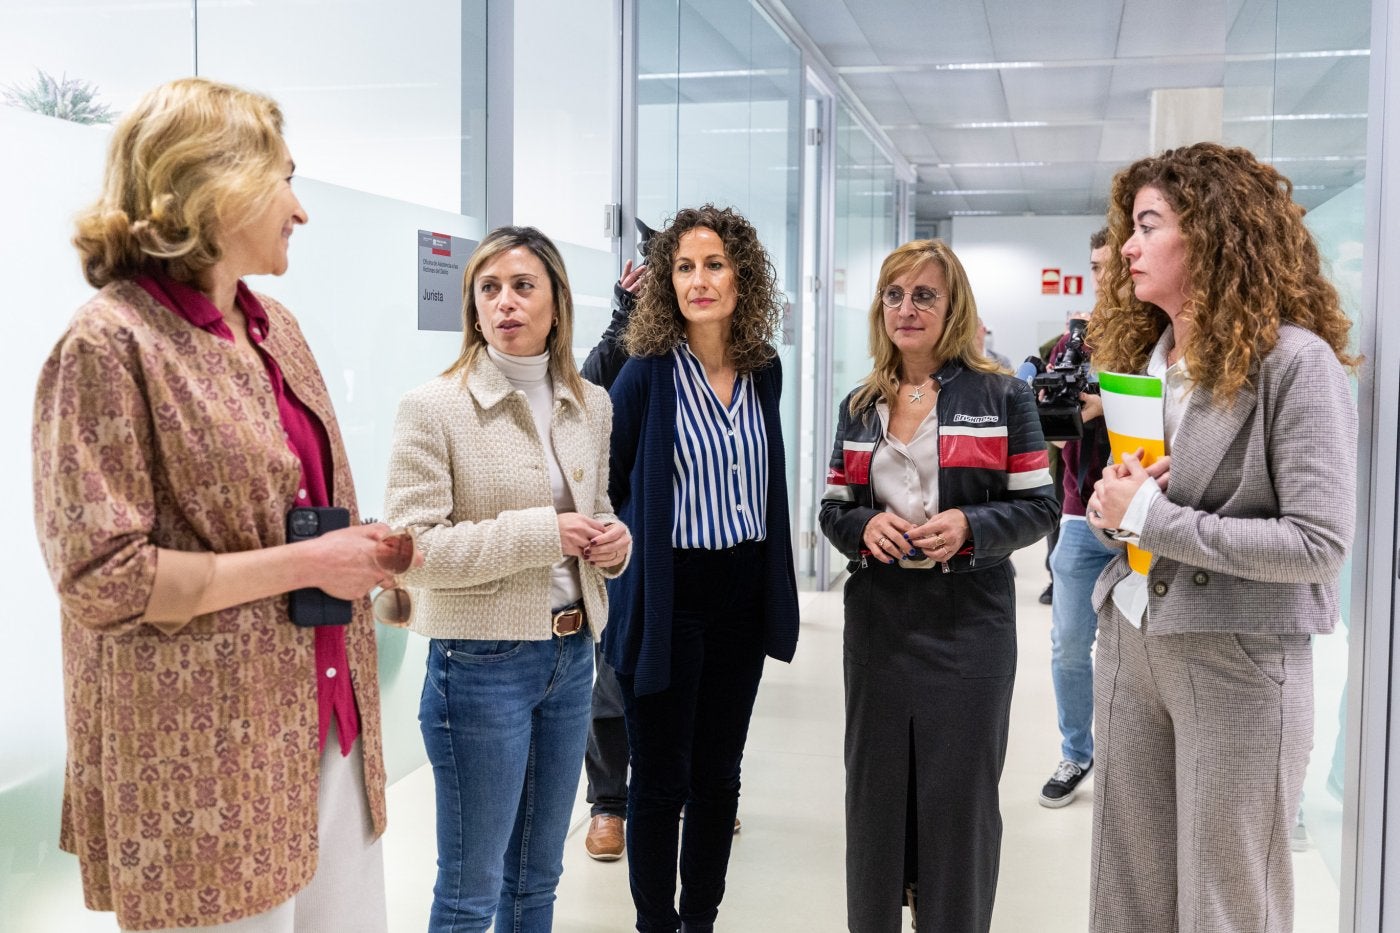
(36, 260)
(383, 113)
(77, 41)
(719, 95)
(566, 156)
(378, 97)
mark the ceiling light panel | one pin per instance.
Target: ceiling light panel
(1072, 28)
(1321, 85)
(1058, 144)
(1302, 27)
(834, 27)
(1132, 84)
(949, 31)
(976, 147)
(963, 97)
(1061, 94)
(1150, 27)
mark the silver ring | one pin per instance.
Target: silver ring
(884, 540)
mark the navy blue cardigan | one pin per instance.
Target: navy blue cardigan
(637, 640)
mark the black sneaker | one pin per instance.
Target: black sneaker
(1059, 791)
(1047, 595)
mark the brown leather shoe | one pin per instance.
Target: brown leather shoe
(605, 841)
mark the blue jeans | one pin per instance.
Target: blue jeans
(505, 723)
(1078, 560)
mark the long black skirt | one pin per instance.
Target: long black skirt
(930, 659)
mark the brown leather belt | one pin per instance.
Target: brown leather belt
(569, 620)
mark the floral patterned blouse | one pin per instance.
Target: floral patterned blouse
(191, 782)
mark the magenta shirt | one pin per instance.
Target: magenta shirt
(307, 438)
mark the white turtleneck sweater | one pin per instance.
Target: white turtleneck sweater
(530, 376)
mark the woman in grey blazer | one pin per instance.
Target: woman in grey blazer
(1203, 683)
(501, 467)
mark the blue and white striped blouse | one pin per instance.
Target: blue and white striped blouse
(719, 481)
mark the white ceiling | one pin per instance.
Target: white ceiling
(1013, 106)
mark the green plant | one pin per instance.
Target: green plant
(66, 98)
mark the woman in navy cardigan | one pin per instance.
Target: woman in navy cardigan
(698, 475)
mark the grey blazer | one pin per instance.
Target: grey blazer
(1258, 516)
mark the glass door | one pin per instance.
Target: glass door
(815, 419)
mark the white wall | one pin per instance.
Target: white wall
(1004, 257)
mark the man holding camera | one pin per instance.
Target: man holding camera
(1075, 565)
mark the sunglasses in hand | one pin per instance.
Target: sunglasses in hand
(394, 554)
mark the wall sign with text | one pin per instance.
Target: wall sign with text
(442, 260)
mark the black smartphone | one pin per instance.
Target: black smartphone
(311, 606)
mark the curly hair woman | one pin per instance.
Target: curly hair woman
(698, 475)
(1203, 682)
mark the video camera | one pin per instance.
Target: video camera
(1058, 387)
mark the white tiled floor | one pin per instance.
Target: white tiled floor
(786, 874)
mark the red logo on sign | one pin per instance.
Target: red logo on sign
(1072, 285)
(442, 244)
(1049, 281)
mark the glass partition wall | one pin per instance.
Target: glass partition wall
(565, 160)
(385, 117)
(1295, 93)
(864, 230)
(719, 120)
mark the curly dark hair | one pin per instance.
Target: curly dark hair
(657, 326)
(1251, 265)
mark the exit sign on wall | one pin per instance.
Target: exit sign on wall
(1052, 283)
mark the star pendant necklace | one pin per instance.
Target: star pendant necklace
(918, 394)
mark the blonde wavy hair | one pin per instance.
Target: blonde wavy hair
(191, 158)
(958, 340)
(561, 336)
(657, 326)
(1251, 264)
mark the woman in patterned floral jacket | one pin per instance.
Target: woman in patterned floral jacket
(216, 751)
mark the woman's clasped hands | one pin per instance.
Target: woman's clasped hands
(1120, 483)
(602, 545)
(890, 537)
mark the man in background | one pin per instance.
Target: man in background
(1076, 562)
(983, 348)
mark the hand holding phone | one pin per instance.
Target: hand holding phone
(311, 606)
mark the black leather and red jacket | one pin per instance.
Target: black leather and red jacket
(992, 464)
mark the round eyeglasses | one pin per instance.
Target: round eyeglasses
(923, 298)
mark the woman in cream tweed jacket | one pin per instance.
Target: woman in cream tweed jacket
(500, 466)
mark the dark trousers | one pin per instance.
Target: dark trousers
(688, 740)
(605, 763)
(929, 660)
